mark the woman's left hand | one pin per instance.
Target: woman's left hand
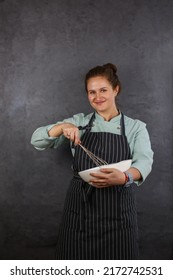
(108, 177)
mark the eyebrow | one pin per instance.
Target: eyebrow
(99, 89)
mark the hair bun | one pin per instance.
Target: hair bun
(110, 66)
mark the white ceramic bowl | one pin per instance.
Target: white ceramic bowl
(122, 166)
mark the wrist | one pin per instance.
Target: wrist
(128, 179)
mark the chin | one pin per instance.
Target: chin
(99, 108)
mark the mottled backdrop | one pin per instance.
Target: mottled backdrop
(46, 47)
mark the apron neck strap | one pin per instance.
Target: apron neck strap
(89, 125)
(122, 125)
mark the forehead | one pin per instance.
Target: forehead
(97, 82)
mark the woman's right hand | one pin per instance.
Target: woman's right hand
(71, 132)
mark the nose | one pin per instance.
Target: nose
(98, 95)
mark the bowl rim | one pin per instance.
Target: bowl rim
(102, 166)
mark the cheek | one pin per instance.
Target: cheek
(90, 98)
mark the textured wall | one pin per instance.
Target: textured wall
(45, 49)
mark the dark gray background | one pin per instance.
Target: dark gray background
(46, 47)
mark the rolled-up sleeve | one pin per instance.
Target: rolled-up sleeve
(142, 154)
(41, 140)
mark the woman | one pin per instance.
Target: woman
(99, 219)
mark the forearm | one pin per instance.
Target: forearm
(56, 130)
(69, 130)
(52, 136)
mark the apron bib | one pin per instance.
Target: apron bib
(99, 223)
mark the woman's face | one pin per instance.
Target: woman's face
(101, 95)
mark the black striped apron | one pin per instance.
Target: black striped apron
(99, 223)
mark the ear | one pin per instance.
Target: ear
(116, 90)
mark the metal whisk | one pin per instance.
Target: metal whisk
(98, 161)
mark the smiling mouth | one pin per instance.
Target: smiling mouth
(99, 103)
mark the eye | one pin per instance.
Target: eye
(103, 90)
(91, 92)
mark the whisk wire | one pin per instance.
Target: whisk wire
(98, 161)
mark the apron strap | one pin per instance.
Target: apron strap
(86, 191)
(89, 125)
(123, 132)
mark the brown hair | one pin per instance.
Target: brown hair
(109, 71)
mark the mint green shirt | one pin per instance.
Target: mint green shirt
(136, 133)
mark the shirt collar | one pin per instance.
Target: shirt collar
(113, 120)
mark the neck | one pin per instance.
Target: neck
(108, 116)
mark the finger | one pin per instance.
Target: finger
(107, 170)
(76, 137)
(77, 142)
(66, 133)
(98, 175)
(72, 138)
(98, 185)
(96, 181)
